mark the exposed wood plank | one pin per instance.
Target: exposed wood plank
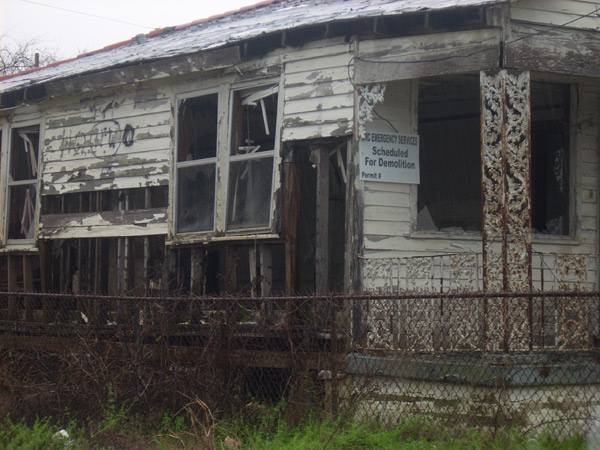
(345, 100)
(291, 223)
(266, 270)
(427, 55)
(12, 261)
(322, 221)
(319, 117)
(318, 63)
(326, 89)
(28, 286)
(51, 188)
(547, 49)
(317, 131)
(196, 62)
(137, 222)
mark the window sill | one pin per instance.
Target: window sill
(207, 239)
(25, 247)
(476, 236)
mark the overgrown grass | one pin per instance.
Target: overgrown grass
(195, 427)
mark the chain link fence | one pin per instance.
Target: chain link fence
(527, 360)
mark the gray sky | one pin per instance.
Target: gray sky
(71, 27)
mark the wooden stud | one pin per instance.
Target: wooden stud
(13, 313)
(46, 272)
(28, 286)
(322, 221)
(291, 224)
(253, 272)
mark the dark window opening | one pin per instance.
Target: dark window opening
(196, 163)
(22, 182)
(253, 130)
(550, 165)
(449, 196)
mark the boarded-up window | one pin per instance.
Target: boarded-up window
(22, 183)
(249, 193)
(196, 163)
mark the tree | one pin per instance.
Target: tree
(16, 56)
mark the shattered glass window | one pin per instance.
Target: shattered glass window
(22, 182)
(249, 193)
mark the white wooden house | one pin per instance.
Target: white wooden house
(312, 146)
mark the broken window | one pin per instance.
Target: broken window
(196, 163)
(449, 195)
(253, 127)
(550, 165)
(22, 182)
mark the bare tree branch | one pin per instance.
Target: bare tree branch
(16, 56)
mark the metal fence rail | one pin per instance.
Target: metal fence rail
(527, 359)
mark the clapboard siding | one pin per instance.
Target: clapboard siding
(114, 142)
(318, 95)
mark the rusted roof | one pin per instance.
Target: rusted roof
(230, 28)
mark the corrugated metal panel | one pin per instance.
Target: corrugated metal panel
(230, 29)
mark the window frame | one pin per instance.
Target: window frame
(194, 163)
(571, 236)
(6, 183)
(252, 157)
(225, 92)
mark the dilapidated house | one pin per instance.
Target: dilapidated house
(312, 146)
(438, 158)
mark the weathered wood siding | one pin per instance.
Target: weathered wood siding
(389, 221)
(574, 13)
(557, 36)
(427, 55)
(114, 142)
(319, 97)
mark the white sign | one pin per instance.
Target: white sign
(390, 157)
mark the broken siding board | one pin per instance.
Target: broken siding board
(317, 131)
(105, 224)
(51, 188)
(427, 55)
(550, 49)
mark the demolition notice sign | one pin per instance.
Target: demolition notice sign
(389, 157)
